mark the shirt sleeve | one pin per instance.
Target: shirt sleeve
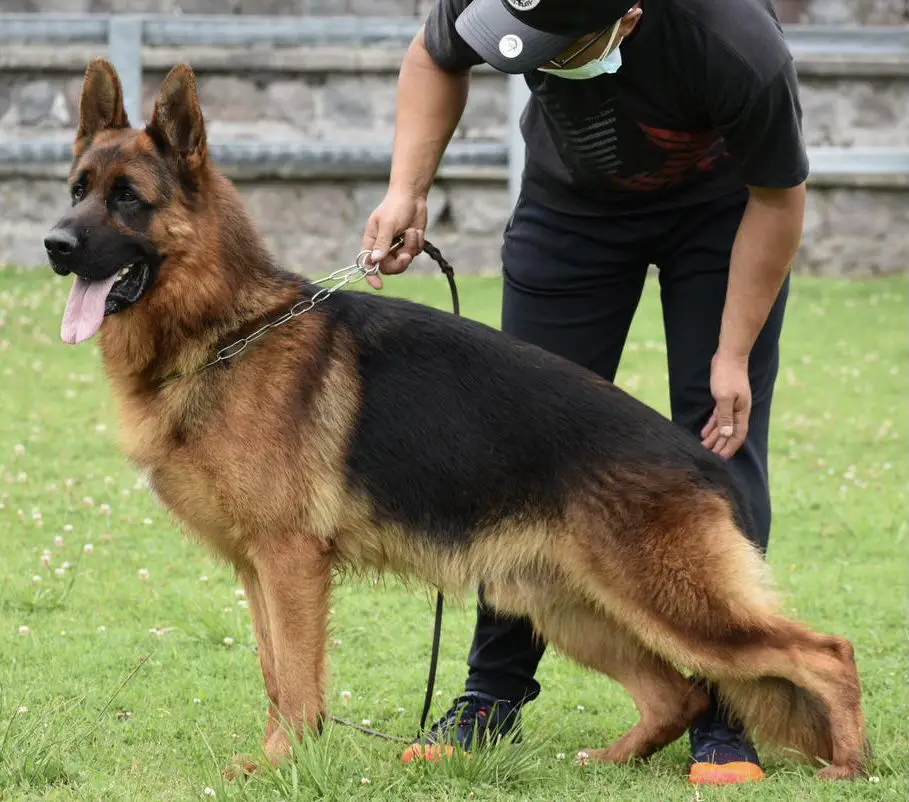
(763, 132)
(443, 43)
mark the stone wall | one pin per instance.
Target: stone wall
(343, 96)
(865, 111)
(866, 12)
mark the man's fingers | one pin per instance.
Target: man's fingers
(740, 432)
(370, 233)
(412, 245)
(725, 416)
(381, 245)
(732, 445)
(711, 439)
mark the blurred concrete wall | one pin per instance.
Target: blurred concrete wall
(348, 95)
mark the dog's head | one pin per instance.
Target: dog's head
(132, 192)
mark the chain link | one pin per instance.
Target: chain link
(341, 278)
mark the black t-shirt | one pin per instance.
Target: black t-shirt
(706, 102)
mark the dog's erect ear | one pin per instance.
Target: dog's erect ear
(101, 105)
(177, 122)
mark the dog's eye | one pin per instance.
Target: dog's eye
(127, 196)
(78, 192)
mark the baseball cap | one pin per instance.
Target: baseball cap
(517, 36)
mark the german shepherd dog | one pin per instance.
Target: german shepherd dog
(381, 435)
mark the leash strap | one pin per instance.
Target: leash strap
(433, 662)
(436, 255)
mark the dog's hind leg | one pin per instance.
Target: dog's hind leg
(294, 574)
(668, 703)
(692, 589)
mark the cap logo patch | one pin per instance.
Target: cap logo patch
(511, 45)
(524, 5)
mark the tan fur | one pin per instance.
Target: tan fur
(259, 477)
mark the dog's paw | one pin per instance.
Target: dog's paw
(609, 755)
(840, 773)
(240, 766)
(275, 752)
(278, 747)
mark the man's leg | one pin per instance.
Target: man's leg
(693, 278)
(571, 286)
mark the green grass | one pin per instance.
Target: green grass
(132, 692)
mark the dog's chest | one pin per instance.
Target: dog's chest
(194, 499)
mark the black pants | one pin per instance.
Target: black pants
(572, 285)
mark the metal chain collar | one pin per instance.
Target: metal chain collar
(341, 278)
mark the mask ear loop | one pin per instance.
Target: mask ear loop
(612, 36)
(615, 32)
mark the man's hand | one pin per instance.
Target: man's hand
(731, 389)
(765, 247)
(399, 212)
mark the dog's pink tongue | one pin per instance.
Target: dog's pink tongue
(84, 312)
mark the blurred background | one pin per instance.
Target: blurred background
(299, 97)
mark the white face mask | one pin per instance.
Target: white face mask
(603, 65)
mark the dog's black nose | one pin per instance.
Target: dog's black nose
(61, 244)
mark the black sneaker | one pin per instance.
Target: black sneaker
(473, 715)
(721, 752)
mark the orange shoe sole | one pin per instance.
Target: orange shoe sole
(431, 753)
(725, 774)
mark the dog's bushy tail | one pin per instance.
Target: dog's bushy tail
(777, 712)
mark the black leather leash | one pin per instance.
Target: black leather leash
(436, 255)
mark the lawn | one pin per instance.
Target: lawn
(127, 663)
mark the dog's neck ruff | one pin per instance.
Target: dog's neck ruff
(340, 278)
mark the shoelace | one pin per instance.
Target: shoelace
(465, 711)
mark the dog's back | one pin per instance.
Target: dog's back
(461, 425)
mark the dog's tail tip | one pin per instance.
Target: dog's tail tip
(779, 713)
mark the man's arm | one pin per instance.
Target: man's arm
(765, 247)
(431, 101)
(764, 136)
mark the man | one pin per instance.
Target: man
(667, 133)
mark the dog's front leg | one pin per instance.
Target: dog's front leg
(259, 613)
(245, 764)
(294, 576)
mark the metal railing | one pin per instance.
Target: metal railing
(125, 35)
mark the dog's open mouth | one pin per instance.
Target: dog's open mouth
(91, 300)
